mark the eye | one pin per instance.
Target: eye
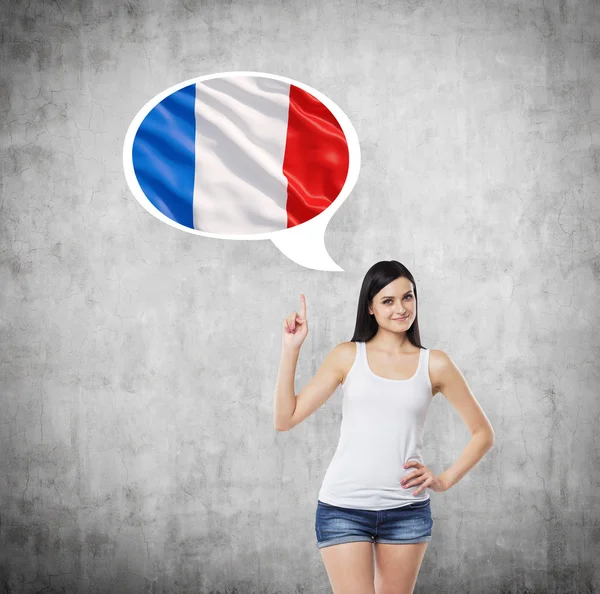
(409, 296)
(387, 300)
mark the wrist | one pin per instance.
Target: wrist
(446, 481)
(290, 351)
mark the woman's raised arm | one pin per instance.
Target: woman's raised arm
(290, 409)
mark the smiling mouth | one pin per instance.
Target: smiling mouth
(400, 319)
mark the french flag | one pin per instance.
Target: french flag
(240, 155)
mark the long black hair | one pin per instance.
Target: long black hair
(377, 277)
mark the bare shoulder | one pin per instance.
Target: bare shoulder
(344, 355)
(439, 363)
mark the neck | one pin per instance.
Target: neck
(392, 342)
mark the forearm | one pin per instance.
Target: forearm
(474, 451)
(285, 394)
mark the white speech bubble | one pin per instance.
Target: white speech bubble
(303, 243)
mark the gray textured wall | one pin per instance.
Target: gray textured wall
(138, 362)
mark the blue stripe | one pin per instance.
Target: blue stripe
(164, 155)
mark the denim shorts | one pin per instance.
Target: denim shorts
(406, 524)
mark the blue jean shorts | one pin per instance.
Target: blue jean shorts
(406, 524)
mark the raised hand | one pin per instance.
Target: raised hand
(295, 327)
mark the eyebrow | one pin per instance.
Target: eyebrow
(391, 296)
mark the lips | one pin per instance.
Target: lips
(400, 319)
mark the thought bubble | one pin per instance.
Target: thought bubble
(245, 156)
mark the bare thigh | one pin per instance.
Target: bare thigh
(350, 567)
(397, 567)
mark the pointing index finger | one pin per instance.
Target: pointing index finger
(302, 306)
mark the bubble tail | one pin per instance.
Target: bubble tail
(305, 245)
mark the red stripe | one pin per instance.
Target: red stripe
(316, 157)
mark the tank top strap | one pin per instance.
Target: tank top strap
(423, 362)
(359, 360)
(360, 350)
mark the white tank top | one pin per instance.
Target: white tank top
(382, 427)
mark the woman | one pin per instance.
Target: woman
(374, 494)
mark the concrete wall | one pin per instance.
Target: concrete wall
(138, 362)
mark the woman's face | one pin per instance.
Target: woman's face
(394, 301)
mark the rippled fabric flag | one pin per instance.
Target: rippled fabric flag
(240, 155)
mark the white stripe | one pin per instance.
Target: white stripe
(241, 130)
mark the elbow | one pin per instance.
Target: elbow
(491, 438)
(285, 426)
(280, 427)
(487, 436)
